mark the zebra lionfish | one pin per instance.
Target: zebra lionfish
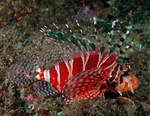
(88, 74)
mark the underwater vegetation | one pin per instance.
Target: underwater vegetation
(69, 25)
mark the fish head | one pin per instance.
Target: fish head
(126, 82)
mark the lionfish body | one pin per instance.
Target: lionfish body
(88, 74)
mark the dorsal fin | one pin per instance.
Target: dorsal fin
(80, 41)
(121, 41)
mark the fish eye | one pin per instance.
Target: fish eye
(111, 79)
(125, 74)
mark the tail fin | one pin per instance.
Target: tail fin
(44, 88)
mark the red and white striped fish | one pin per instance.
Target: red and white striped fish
(88, 74)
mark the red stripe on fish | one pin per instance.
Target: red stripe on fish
(53, 76)
(77, 65)
(64, 73)
(92, 61)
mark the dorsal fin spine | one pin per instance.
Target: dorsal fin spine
(122, 39)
